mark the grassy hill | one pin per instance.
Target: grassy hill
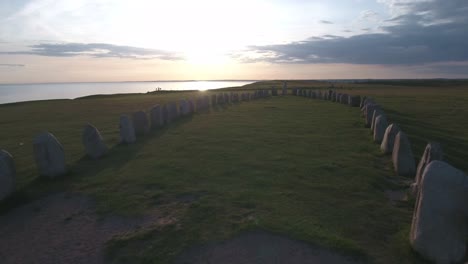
(290, 165)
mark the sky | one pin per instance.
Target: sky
(144, 40)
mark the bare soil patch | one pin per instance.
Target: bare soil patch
(62, 228)
(258, 247)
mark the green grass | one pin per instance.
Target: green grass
(304, 168)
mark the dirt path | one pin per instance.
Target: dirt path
(62, 228)
(260, 247)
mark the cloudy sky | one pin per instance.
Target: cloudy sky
(123, 40)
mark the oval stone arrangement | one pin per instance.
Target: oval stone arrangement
(49, 155)
(93, 142)
(7, 174)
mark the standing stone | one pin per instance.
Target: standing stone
(220, 99)
(191, 106)
(49, 155)
(274, 91)
(402, 156)
(377, 112)
(389, 138)
(439, 226)
(432, 152)
(213, 100)
(183, 107)
(93, 142)
(362, 101)
(156, 116)
(294, 91)
(7, 174)
(344, 99)
(285, 88)
(206, 101)
(127, 131)
(354, 100)
(369, 111)
(165, 114)
(379, 128)
(140, 123)
(173, 113)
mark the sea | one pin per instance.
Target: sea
(11, 93)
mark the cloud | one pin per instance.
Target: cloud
(11, 65)
(425, 32)
(325, 22)
(96, 50)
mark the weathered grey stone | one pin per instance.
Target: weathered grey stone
(369, 111)
(274, 91)
(172, 113)
(127, 131)
(183, 107)
(432, 152)
(439, 226)
(377, 111)
(93, 142)
(165, 114)
(213, 99)
(49, 155)
(402, 156)
(7, 174)
(191, 106)
(156, 117)
(285, 88)
(379, 128)
(389, 138)
(344, 98)
(220, 99)
(140, 123)
(354, 100)
(362, 101)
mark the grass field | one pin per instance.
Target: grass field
(290, 165)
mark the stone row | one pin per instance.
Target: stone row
(439, 224)
(49, 153)
(440, 218)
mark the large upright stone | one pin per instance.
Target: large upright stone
(285, 88)
(173, 113)
(156, 117)
(213, 100)
(389, 138)
(432, 152)
(127, 131)
(49, 155)
(140, 123)
(191, 106)
(354, 100)
(165, 114)
(379, 128)
(183, 107)
(368, 113)
(378, 111)
(93, 142)
(7, 174)
(402, 156)
(274, 91)
(439, 226)
(220, 99)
